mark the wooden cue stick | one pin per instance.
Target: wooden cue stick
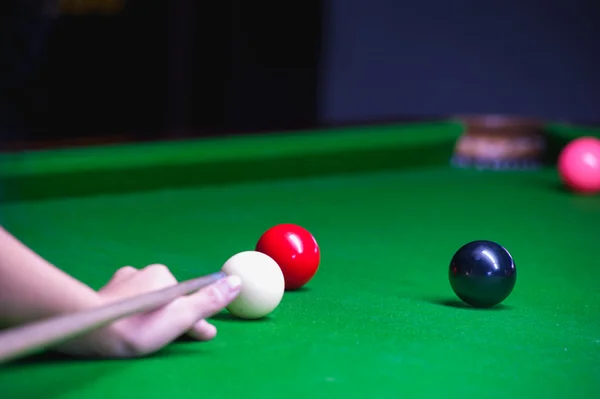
(23, 340)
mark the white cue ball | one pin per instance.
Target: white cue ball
(262, 287)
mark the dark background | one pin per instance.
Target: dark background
(531, 57)
(177, 68)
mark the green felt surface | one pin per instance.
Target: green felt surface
(378, 320)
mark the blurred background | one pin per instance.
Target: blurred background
(101, 70)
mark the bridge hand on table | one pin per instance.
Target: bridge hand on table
(145, 333)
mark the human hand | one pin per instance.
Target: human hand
(144, 333)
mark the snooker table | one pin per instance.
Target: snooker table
(379, 319)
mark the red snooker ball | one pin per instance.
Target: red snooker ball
(295, 250)
(579, 165)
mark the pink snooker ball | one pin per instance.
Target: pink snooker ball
(579, 165)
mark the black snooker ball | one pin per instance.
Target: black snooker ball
(482, 273)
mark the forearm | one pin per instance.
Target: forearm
(31, 288)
